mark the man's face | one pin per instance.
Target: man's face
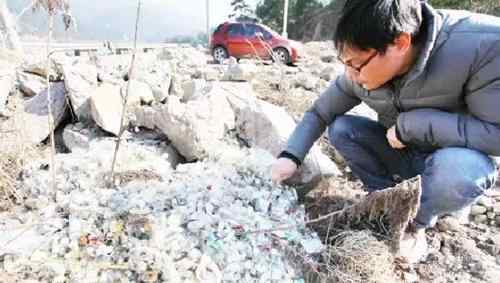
(370, 68)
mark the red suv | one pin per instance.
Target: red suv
(240, 40)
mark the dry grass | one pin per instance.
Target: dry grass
(7, 180)
(362, 233)
(15, 153)
(10, 167)
(356, 256)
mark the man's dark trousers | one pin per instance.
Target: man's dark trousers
(452, 177)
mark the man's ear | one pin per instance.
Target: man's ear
(403, 42)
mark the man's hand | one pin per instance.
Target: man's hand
(283, 169)
(393, 139)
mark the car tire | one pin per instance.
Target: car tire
(282, 55)
(220, 54)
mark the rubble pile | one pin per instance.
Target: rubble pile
(216, 219)
(204, 221)
(487, 209)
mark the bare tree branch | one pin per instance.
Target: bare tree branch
(49, 105)
(125, 99)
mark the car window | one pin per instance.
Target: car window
(251, 30)
(267, 34)
(235, 30)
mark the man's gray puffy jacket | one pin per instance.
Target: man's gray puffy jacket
(450, 97)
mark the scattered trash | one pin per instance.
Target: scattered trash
(187, 225)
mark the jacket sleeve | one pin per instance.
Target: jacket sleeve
(479, 129)
(336, 100)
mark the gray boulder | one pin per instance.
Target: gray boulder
(30, 84)
(240, 72)
(80, 80)
(193, 89)
(35, 126)
(143, 116)
(106, 107)
(75, 136)
(197, 127)
(139, 92)
(158, 77)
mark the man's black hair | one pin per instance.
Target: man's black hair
(366, 24)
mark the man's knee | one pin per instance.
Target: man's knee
(459, 172)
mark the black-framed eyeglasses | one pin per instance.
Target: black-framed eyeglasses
(360, 67)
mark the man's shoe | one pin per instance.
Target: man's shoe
(413, 246)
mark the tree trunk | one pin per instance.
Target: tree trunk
(8, 28)
(317, 31)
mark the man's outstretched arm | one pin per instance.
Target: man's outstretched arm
(336, 100)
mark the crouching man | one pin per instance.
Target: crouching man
(433, 77)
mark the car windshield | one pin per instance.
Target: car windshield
(219, 27)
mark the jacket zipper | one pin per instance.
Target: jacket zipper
(396, 102)
(395, 97)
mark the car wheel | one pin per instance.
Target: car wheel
(281, 55)
(220, 54)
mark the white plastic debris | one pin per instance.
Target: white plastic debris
(209, 221)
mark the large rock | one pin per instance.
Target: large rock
(267, 126)
(240, 72)
(193, 89)
(139, 92)
(38, 66)
(110, 69)
(35, 126)
(449, 223)
(212, 73)
(306, 81)
(198, 126)
(143, 116)
(477, 210)
(176, 85)
(74, 136)
(158, 77)
(31, 84)
(81, 81)
(106, 106)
